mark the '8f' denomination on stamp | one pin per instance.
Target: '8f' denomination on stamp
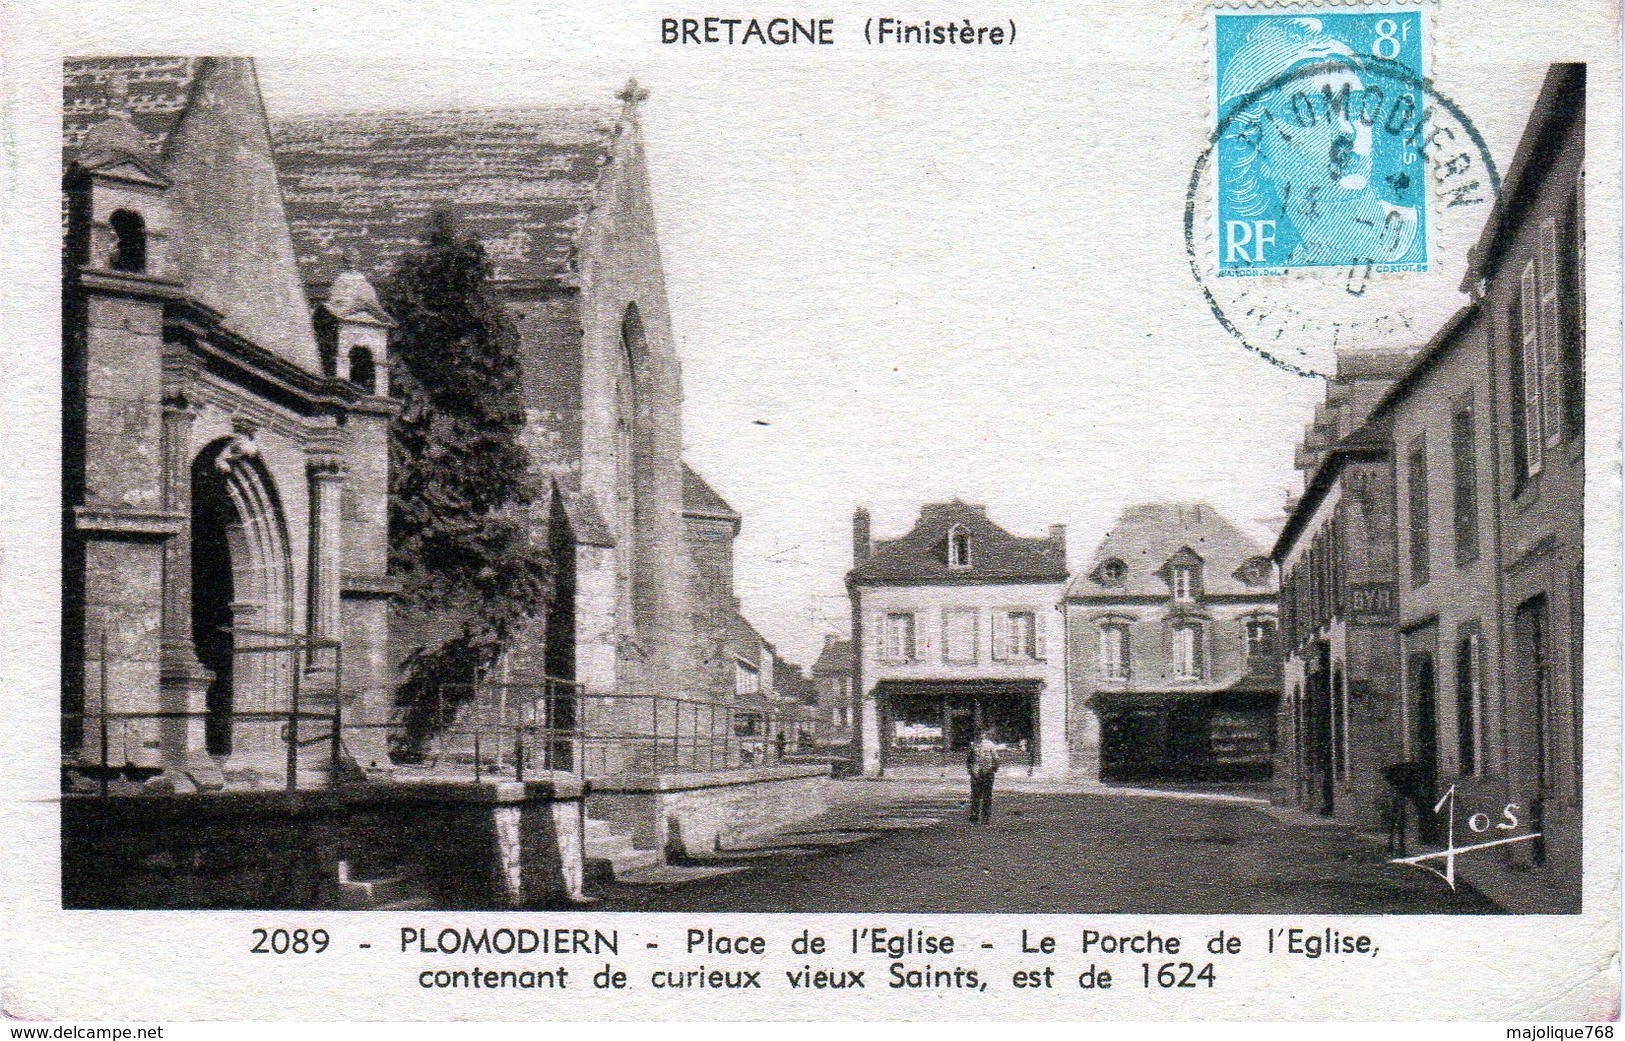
(1319, 160)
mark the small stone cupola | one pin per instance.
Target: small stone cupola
(352, 331)
(119, 214)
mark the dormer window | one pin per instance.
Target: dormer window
(958, 547)
(129, 242)
(1112, 572)
(1182, 579)
(1255, 572)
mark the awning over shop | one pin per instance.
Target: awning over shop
(960, 688)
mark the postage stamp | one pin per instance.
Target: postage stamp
(593, 512)
(1320, 158)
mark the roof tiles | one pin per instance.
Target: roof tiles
(153, 92)
(1147, 536)
(522, 180)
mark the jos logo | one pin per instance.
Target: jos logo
(1477, 824)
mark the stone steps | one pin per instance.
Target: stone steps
(394, 890)
(611, 853)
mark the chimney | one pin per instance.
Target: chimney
(1057, 533)
(829, 638)
(860, 535)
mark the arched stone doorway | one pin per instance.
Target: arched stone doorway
(242, 591)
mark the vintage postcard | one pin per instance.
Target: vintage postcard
(646, 512)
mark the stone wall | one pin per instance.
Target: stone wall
(462, 845)
(699, 813)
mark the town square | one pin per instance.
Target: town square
(464, 509)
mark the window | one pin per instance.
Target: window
(1551, 338)
(1114, 651)
(1464, 460)
(1416, 505)
(1112, 572)
(1188, 651)
(1260, 634)
(959, 636)
(1255, 572)
(130, 241)
(363, 373)
(1468, 699)
(1531, 372)
(1183, 580)
(1018, 637)
(897, 638)
(747, 678)
(958, 547)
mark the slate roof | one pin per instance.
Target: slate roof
(1145, 537)
(701, 500)
(522, 180)
(153, 92)
(835, 660)
(921, 556)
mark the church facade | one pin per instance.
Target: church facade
(225, 456)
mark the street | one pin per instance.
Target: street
(907, 847)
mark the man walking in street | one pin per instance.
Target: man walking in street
(982, 762)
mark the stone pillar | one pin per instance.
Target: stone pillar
(183, 680)
(326, 520)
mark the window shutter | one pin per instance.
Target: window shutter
(909, 648)
(1001, 628)
(1551, 335)
(877, 646)
(1107, 635)
(1039, 643)
(1532, 410)
(1123, 649)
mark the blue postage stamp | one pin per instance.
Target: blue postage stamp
(1321, 132)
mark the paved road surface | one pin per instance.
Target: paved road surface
(907, 848)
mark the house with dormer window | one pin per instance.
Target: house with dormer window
(1171, 648)
(957, 631)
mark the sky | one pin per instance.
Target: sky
(899, 277)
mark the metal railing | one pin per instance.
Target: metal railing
(515, 729)
(475, 730)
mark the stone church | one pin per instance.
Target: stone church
(225, 453)
(560, 198)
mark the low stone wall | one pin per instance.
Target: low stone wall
(692, 814)
(464, 845)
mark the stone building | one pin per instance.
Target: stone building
(957, 629)
(1433, 574)
(1171, 645)
(1336, 725)
(225, 463)
(1528, 273)
(560, 199)
(837, 709)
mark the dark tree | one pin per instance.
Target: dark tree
(459, 474)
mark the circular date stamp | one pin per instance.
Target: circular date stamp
(1340, 191)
